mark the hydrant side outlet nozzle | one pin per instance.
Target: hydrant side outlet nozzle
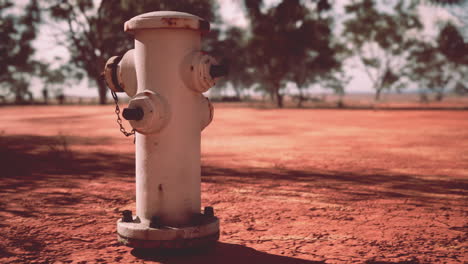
(119, 74)
(133, 113)
(111, 74)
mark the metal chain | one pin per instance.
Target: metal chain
(119, 120)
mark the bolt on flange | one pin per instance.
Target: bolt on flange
(209, 211)
(127, 216)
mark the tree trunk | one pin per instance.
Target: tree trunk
(299, 103)
(439, 96)
(300, 99)
(340, 103)
(30, 97)
(95, 72)
(45, 94)
(102, 91)
(19, 99)
(423, 98)
(272, 95)
(238, 92)
(378, 92)
(279, 98)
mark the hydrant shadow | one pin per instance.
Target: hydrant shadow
(220, 253)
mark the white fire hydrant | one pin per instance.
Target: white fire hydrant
(165, 75)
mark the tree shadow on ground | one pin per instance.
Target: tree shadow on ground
(29, 162)
(362, 186)
(221, 253)
(413, 261)
(32, 162)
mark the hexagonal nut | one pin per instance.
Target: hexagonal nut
(155, 112)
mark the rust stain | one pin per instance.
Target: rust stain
(170, 21)
(177, 22)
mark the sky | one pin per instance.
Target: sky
(232, 14)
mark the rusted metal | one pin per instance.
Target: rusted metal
(167, 20)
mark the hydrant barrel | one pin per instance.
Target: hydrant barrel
(168, 163)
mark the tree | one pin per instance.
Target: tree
(452, 44)
(289, 43)
(57, 78)
(458, 9)
(337, 80)
(232, 50)
(430, 69)
(325, 65)
(95, 32)
(16, 34)
(455, 48)
(448, 2)
(381, 40)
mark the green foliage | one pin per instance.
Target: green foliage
(232, 51)
(55, 79)
(289, 42)
(447, 2)
(434, 67)
(381, 40)
(17, 31)
(452, 44)
(95, 33)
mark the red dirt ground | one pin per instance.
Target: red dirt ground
(289, 186)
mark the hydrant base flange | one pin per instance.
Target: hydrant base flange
(138, 235)
(170, 244)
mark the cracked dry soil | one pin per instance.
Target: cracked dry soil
(289, 186)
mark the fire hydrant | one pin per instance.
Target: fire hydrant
(165, 75)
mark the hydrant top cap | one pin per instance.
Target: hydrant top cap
(167, 19)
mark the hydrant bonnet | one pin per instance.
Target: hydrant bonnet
(167, 19)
